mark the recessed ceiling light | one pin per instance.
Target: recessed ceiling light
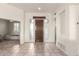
(39, 8)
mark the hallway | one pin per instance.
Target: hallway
(12, 48)
(60, 25)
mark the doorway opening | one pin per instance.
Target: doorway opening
(9, 30)
(39, 27)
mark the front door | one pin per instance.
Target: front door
(39, 30)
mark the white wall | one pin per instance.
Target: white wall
(3, 27)
(77, 28)
(67, 42)
(62, 37)
(13, 13)
(10, 12)
(51, 25)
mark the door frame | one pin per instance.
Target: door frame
(43, 18)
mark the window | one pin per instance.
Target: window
(16, 27)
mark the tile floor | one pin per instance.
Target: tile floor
(12, 48)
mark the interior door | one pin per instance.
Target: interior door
(39, 31)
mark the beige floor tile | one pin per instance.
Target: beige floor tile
(12, 48)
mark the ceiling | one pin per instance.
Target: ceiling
(34, 7)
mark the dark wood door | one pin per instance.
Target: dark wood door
(39, 31)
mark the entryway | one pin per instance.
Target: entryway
(39, 27)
